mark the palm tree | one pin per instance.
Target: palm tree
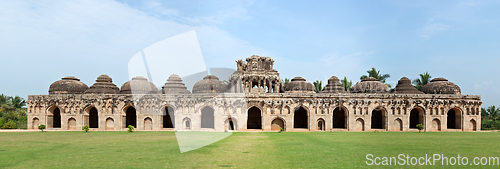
(17, 102)
(424, 79)
(376, 74)
(4, 103)
(285, 81)
(492, 112)
(318, 86)
(346, 84)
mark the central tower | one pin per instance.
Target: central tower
(257, 75)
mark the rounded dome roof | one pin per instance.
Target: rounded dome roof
(333, 86)
(370, 85)
(68, 85)
(174, 85)
(103, 85)
(299, 85)
(405, 87)
(138, 85)
(440, 86)
(210, 84)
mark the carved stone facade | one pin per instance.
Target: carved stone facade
(255, 99)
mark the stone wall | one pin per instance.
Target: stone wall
(275, 109)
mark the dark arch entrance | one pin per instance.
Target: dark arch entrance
(207, 117)
(377, 119)
(56, 121)
(131, 117)
(168, 118)
(339, 118)
(414, 118)
(453, 119)
(254, 118)
(93, 118)
(300, 118)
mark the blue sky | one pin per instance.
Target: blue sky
(43, 41)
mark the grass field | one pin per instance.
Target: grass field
(240, 150)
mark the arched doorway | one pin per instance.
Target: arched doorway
(207, 117)
(453, 119)
(35, 123)
(472, 125)
(378, 119)
(254, 118)
(148, 124)
(93, 118)
(321, 125)
(230, 124)
(56, 122)
(300, 118)
(436, 125)
(187, 123)
(71, 124)
(416, 117)
(110, 124)
(168, 118)
(360, 125)
(339, 118)
(277, 124)
(398, 125)
(131, 117)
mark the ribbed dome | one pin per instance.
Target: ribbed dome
(68, 85)
(174, 85)
(103, 85)
(138, 85)
(405, 87)
(440, 86)
(370, 85)
(209, 84)
(333, 86)
(299, 85)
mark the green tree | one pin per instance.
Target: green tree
(42, 127)
(318, 86)
(346, 84)
(420, 127)
(424, 79)
(376, 74)
(285, 81)
(492, 113)
(85, 128)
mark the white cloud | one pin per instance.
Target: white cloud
(432, 28)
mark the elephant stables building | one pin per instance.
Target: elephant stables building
(253, 98)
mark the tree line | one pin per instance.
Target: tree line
(12, 112)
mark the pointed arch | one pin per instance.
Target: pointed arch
(277, 124)
(207, 117)
(254, 120)
(300, 118)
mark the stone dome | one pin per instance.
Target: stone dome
(440, 86)
(210, 84)
(103, 85)
(68, 85)
(370, 85)
(333, 86)
(174, 85)
(299, 85)
(405, 87)
(138, 85)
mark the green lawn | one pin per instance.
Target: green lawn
(240, 150)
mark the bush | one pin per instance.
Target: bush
(9, 125)
(281, 130)
(42, 127)
(130, 128)
(85, 128)
(420, 127)
(2, 121)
